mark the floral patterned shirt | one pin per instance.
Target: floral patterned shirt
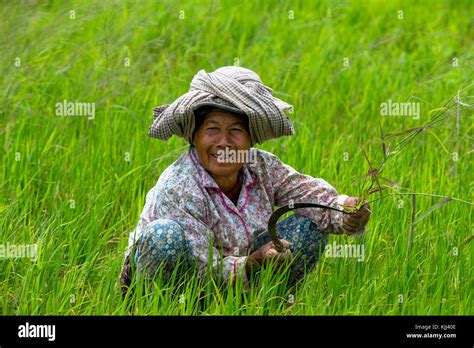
(187, 194)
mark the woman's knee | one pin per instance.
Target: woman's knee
(304, 234)
(308, 244)
(163, 240)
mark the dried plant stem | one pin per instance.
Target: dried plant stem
(413, 213)
(422, 194)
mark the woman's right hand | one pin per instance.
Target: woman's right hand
(268, 253)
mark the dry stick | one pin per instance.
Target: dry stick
(458, 119)
(467, 240)
(384, 147)
(413, 212)
(422, 194)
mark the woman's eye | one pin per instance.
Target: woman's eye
(236, 130)
(212, 128)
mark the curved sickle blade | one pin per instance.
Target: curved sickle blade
(272, 222)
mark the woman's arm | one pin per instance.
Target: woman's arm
(291, 186)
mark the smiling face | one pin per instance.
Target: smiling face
(220, 130)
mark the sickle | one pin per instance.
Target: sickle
(272, 231)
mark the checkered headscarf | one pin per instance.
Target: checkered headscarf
(230, 88)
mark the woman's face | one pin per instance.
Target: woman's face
(218, 131)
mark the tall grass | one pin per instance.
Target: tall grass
(77, 186)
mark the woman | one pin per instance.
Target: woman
(213, 196)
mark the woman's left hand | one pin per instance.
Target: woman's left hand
(356, 221)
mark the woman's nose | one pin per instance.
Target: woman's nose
(224, 140)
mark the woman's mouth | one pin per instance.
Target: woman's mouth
(220, 158)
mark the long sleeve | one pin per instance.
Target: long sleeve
(291, 186)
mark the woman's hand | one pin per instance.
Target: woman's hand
(356, 221)
(267, 253)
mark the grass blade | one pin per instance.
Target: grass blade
(434, 207)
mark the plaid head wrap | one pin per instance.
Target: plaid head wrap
(230, 88)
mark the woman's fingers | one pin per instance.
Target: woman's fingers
(351, 201)
(347, 230)
(286, 244)
(352, 227)
(358, 219)
(366, 206)
(362, 213)
(284, 256)
(354, 201)
(272, 253)
(288, 254)
(354, 223)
